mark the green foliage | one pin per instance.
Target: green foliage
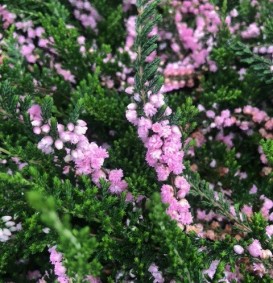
(98, 233)
(146, 72)
(223, 94)
(259, 65)
(185, 116)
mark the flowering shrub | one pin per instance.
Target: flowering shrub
(136, 141)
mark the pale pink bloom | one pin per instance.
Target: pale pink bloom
(210, 114)
(58, 144)
(253, 190)
(37, 130)
(149, 109)
(81, 40)
(45, 128)
(255, 248)
(131, 116)
(238, 249)
(247, 210)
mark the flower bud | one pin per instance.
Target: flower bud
(238, 249)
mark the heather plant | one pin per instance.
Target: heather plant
(136, 141)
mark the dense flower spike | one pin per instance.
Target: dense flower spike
(162, 141)
(59, 270)
(164, 153)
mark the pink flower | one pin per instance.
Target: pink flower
(163, 172)
(115, 175)
(43, 42)
(35, 112)
(131, 116)
(149, 109)
(154, 142)
(210, 114)
(157, 100)
(58, 144)
(212, 269)
(251, 32)
(45, 128)
(39, 31)
(153, 269)
(182, 184)
(129, 90)
(37, 130)
(247, 210)
(117, 185)
(54, 255)
(255, 248)
(27, 49)
(45, 144)
(59, 269)
(167, 193)
(81, 40)
(253, 190)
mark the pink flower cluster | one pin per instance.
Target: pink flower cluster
(66, 74)
(32, 43)
(178, 206)
(6, 17)
(266, 208)
(196, 40)
(86, 13)
(256, 114)
(81, 41)
(233, 28)
(164, 153)
(56, 259)
(158, 278)
(246, 31)
(239, 119)
(252, 31)
(264, 50)
(59, 270)
(26, 36)
(255, 249)
(163, 141)
(87, 157)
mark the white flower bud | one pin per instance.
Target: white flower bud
(238, 249)
(6, 218)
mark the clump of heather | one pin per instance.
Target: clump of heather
(136, 141)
